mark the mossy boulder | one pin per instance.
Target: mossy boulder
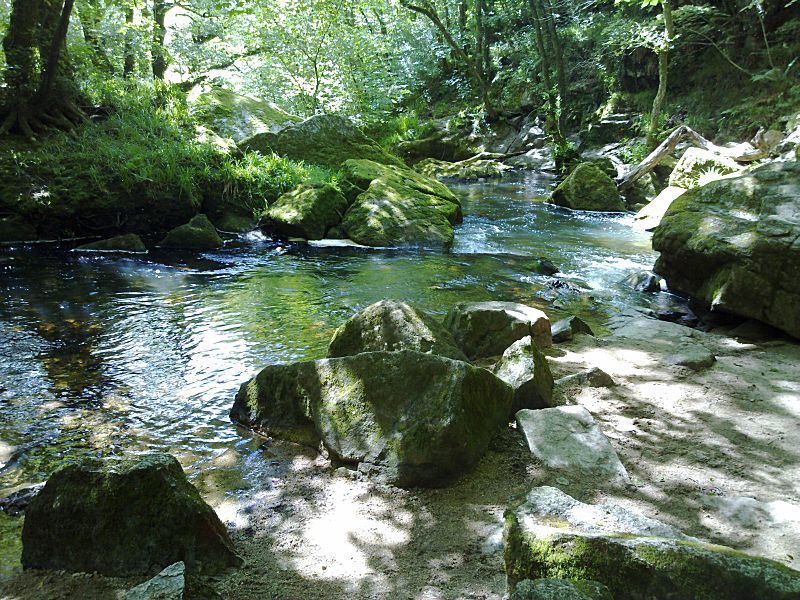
(405, 418)
(698, 165)
(122, 518)
(238, 117)
(391, 326)
(197, 234)
(126, 243)
(471, 169)
(483, 329)
(395, 206)
(440, 145)
(551, 535)
(560, 589)
(326, 140)
(733, 245)
(16, 229)
(588, 188)
(308, 211)
(525, 369)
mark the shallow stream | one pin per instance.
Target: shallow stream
(103, 355)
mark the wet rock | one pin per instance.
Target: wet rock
(697, 167)
(565, 329)
(643, 281)
(16, 503)
(650, 216)
(122, 518)
(568, 438)
(390, 326)
(594, 377)
(526, 370)
(169, 584)
(308, 211)
(16, 229)
(549, 534)
(325, 139)
(588, 188)
(560, 589)
(543, 266)
(127, 243)
(732, 245)
(405, 418)
(484, 329)
(395, 206)
(197, 234)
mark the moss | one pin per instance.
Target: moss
(197, 234)
(588, 188)
(11, 546)
(308, 211)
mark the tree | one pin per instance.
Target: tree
(663, 69)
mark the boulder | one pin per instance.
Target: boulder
(643, 281)
(197, 234)
(484, 329)
(471, 169)
(440, 145)
(122, 518)
(390, 326)
(395, 206)
(593, 377)
(543, 266)
(698, 166)
(15, 229)
(167, 585)
(565, 329)
(308, 211)
(732, 245)
(238, 117)
(612, 128)
(327, 140)
(127, 243)
(560, 589)
(650, 215)
(526, 370)
(588, 188)
(567, 438)
(405, 418)
(549, 534)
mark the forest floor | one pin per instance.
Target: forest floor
(714, 452)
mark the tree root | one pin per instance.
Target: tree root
(61, 115)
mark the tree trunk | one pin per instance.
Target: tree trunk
(129, 64)
(558, 58)
(663, 71)
(544, 64)
(90, 16)
(159, 63)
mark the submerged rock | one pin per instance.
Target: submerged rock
(526, 370)
(405, 418)
(167, 585)
(121, 518)
(484, 329)
(732, 245)
(568, 438)
(308, 211)
(697, 167)
(390, 326)
(395, 206)
(588, 188)
(550, 534)
(129, 243)
(197, 234)
(327, 140)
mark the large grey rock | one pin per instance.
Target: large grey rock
(650, 215)
(405, 417)
(588, 188)
(734, 245)
(395, 206)
(167, 585)
(592, 377)
(121, 518)
(127, 243)
(568, 438)
(390, 325)
(698, 166)
(327, 140)
(565, 329)
(197, 234)
(526, 370)
(308, 211)
(549, 534)
(484, 329)
(560, 589)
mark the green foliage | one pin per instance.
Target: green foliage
(401, 128)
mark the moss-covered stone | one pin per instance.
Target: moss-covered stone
(588, 188)
(550, 535)
(197, 234)
(560, 589)
(16, 229)
(128, 243)
(733, 245)
(395, 206)
(326, 140)
(696, 166)
(405, 418)
(391, 326)
(526, 370)
(471, 169)
(121, 518)
(441, 145)
(308, 211)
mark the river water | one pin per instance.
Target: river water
(106, 355)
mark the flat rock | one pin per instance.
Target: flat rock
(593, 377)
(167, 585)
(568, 438)
(560, 589)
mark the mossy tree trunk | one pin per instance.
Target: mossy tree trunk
(663, 70)
(159, 63)
(41, 91)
